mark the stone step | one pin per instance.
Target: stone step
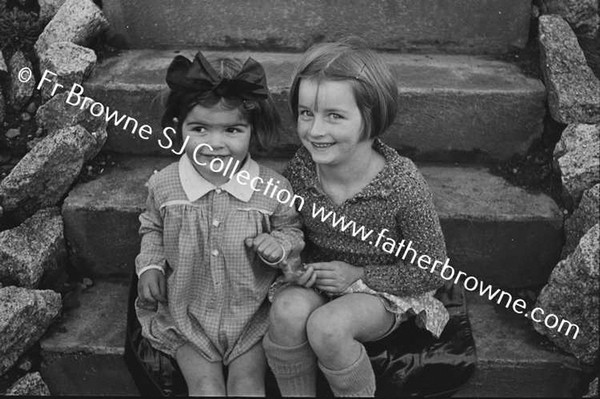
(466, 26)
(515, 361)
(494, 231)
(463, 108)
(82, 353)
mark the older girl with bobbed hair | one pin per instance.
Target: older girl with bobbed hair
(355, 288)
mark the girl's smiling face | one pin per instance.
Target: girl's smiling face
(330, 125)
(226, 131)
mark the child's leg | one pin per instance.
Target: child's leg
(335, 332)
(246, 375)
(290, 357)
(203, 378)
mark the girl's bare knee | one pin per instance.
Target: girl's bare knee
(250, 384)
(289, 312)
(247, 374)
(327, 331)
(202, 377)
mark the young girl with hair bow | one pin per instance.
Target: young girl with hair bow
(211, 245)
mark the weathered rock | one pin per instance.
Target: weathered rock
(20, 92)
(70, 62)
(49, 8)
(577, 157)
(57, 114)
(77, 21)
(573, 294)
(32, 143)
(585, 217)
(3, 67)
(33, 250)
(573, 89)
(44, 174)
(582, 15)
(29, 385)
(24, 317)
(592, 389)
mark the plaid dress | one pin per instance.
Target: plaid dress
(216, 286)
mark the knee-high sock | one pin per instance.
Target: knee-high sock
(294, 367)
(357, 379)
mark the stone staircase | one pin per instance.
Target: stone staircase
(461, 111)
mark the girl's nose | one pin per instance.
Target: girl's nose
(316, 128)
(215, 140)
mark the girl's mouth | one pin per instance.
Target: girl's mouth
(214, 155)
(321, 146)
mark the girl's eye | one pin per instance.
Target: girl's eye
(199, 129)
(233, 130)
(305, 114)
(334, 116)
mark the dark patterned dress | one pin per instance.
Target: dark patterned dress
(397, 199)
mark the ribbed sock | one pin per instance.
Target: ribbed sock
(356, 380)
(294, 367)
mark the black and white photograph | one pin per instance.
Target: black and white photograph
(300, 198)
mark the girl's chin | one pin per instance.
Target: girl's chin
(209, 162)
(211, 176)
(320, 158)
(209, 158)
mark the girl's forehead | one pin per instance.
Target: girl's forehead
(318, 93)
(217, 114)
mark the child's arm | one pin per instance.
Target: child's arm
(418, 222)
(268, 249)
(273, 254)
(150, 264)
(286, 240)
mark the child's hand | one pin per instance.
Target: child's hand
(296, 272)
(267, 247)
(334, 277)
(304, 276)
(152, 289)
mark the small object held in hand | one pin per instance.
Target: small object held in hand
(296, 268)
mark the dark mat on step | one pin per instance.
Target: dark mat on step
(406, 363)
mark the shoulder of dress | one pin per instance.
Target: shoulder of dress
(165, 177)
(406, 181)
(299, 170)
(406, 168)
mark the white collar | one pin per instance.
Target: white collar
(195, 186)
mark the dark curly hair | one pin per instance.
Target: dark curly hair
(262, 115)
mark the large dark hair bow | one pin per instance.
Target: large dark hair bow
(250, 83)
